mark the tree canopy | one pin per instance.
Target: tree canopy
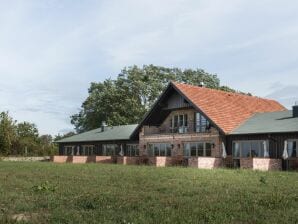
(127, 98)
(23, 138)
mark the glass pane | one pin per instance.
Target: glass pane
(156, 149)
(245, 149)
(198, 122)
(236, 149)
(193, 149)
(169, 150)
(186, 150)
(208, 149)
(180, 120)
(185, 120)
(255, 149)
(162, 149)
(201, 149)
(176, 121)
(150, 150)
(208, 152)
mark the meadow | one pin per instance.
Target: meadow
(41, 192)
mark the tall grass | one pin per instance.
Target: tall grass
(96, 193)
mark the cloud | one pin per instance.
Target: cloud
(51, 50)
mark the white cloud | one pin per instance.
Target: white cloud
(51, 50)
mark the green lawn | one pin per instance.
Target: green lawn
(95, 193)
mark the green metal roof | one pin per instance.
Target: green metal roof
(111, 133)
(272, 122)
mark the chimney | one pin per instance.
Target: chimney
(103, 126)
(202, 84)
(295, 109)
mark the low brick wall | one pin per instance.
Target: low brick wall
(61, 159)
(264, 164)
(293, 163)
(160, 161)
(105, 159)
(125, 160)
(83, 159)
(205, 162)
(246, 163)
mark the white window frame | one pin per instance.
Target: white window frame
(188, 154)
(88, 150)
(180, 128)
(152, 150)
(129, 150)
(292, 140)
(66, 147)
(106, 148)
(250, 150)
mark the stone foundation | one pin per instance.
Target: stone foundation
(205, 162)
(160, 161)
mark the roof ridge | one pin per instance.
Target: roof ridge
(224, 92)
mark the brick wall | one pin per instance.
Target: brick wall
(160, 161)
(125, 160)
(205, 162)
(264, 164)
(177, 139)
(61, 159)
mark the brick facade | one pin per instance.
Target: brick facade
(178, 139)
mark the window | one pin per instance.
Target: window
(132, 150)
(179, 123)
(253, 148)
(88, 150)
(292, 148)
(202, 124)
(197, 149)
(69, 150)
(110, 150)
(159, 149)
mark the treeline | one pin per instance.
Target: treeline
(23, 139)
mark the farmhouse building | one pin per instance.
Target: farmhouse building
(198, 127)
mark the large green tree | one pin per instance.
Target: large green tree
(8, 136)
(126, 99)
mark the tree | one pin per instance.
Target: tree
(59, 137)
(28, 143)
(126, 99)
(8, 134)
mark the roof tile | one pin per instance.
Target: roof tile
(227, 110)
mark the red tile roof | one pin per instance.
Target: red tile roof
(227, 110)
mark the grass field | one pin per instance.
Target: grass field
(94, 193)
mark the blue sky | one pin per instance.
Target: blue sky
(51, 50)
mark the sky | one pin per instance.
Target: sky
(51, 50)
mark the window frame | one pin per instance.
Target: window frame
(296, 149)
(128, 152)
(179, 123)
(65, 150)
(152, 152)
(90, 150)
(261, 148)
(202, 124)
(188, 152)
(105, 149)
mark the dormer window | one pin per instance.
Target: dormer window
(202, 124)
